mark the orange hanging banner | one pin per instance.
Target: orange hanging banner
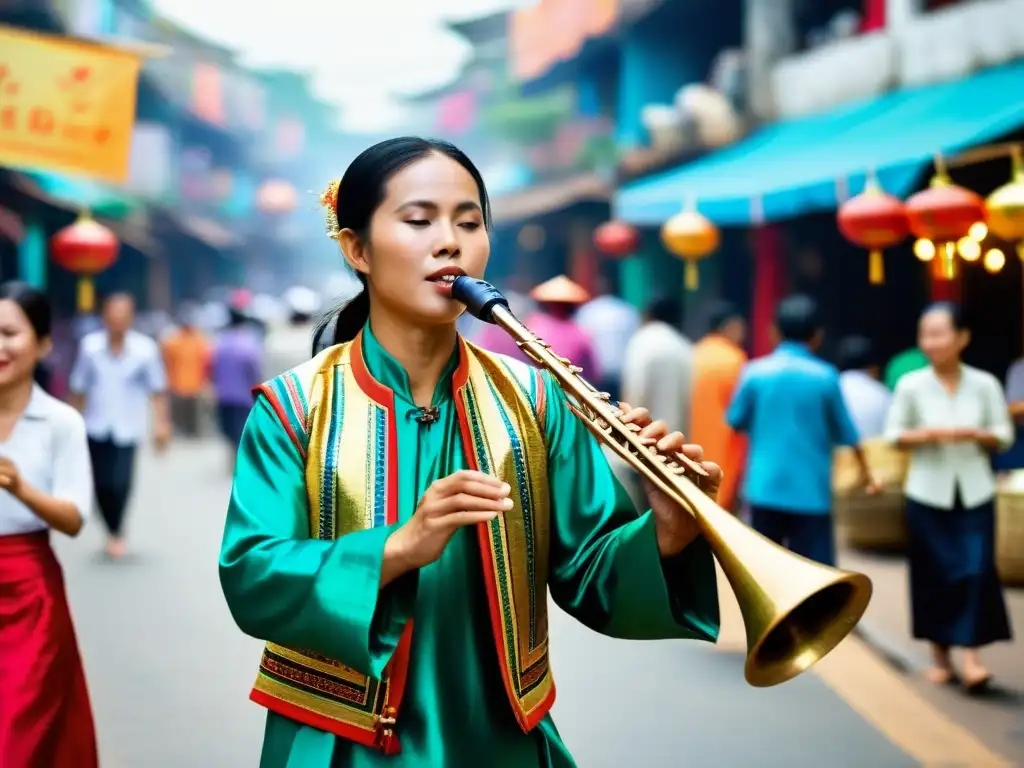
(66, 105)
(549, 31)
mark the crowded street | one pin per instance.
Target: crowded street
(335, 364)
(170, 673)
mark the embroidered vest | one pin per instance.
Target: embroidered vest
(343, 422)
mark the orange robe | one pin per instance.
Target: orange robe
(717, 365)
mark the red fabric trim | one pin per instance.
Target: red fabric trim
(487, 559)
(382, 394)
(398, 667)
(348, 731)
(542, 403)
(534, 717)
(282, 414)
(461, 374)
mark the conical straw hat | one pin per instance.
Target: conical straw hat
(560, 290)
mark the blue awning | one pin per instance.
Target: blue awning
(793, 166)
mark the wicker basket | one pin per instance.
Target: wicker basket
(1010, 536)
(871, 522)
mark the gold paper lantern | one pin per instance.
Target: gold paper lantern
(1005, 206)
(691, 237)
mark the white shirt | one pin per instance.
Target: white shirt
(117, 387)
(938, 471)
(867, 400)
(657, 374)
(50, 449)
(610, 322)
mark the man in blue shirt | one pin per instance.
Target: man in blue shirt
(790, 405)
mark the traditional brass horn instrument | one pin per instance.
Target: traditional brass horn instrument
(795, 611)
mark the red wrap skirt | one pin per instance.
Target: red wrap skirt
(45, 716)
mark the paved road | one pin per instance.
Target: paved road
(170, 673)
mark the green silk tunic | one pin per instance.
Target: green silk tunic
(287, 588)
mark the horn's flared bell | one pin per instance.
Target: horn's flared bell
(795, 610)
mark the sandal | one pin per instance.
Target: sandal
(979, 686)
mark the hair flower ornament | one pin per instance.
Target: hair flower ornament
(329, 202)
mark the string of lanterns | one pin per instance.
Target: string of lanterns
(688, 235)
(949, 222)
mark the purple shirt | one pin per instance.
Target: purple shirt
(565, 337)
(237, 366)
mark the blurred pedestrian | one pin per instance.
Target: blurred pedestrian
(187, 357)
(237, 368)
(609, 322)
(718, 361)
(553, 320)
(1014, 457)
(117, 373)
(657, 370)
(866, 397)
(907, 361)
(952, 417)
(45, 483)
(790, 405)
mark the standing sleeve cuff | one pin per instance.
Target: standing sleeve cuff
(657, 598)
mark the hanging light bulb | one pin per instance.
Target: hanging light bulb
(924, 249)
(995, 260)
(978, 231)
(968, 248)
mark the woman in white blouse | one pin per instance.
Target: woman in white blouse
(45, 483)
(952, 417)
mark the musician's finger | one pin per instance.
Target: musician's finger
(714, 474)
(673, 442)
(448, 485)
(480, 490)
(461, 519)
(656, 429)
(463, 502)
(693, 451)
(639, 416)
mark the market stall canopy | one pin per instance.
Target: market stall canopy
(78, 193)
(801, 166)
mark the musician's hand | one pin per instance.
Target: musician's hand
(676, 527)
(464, 498)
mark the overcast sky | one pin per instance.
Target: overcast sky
(361, 55)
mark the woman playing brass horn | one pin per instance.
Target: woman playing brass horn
(403, 502)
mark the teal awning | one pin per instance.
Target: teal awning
(98, 198)
(791, 168)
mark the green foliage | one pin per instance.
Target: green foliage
(527, 120)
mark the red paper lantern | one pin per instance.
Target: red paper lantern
(944, 213)
(85, 248)
(874, 220)
(617, 239)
